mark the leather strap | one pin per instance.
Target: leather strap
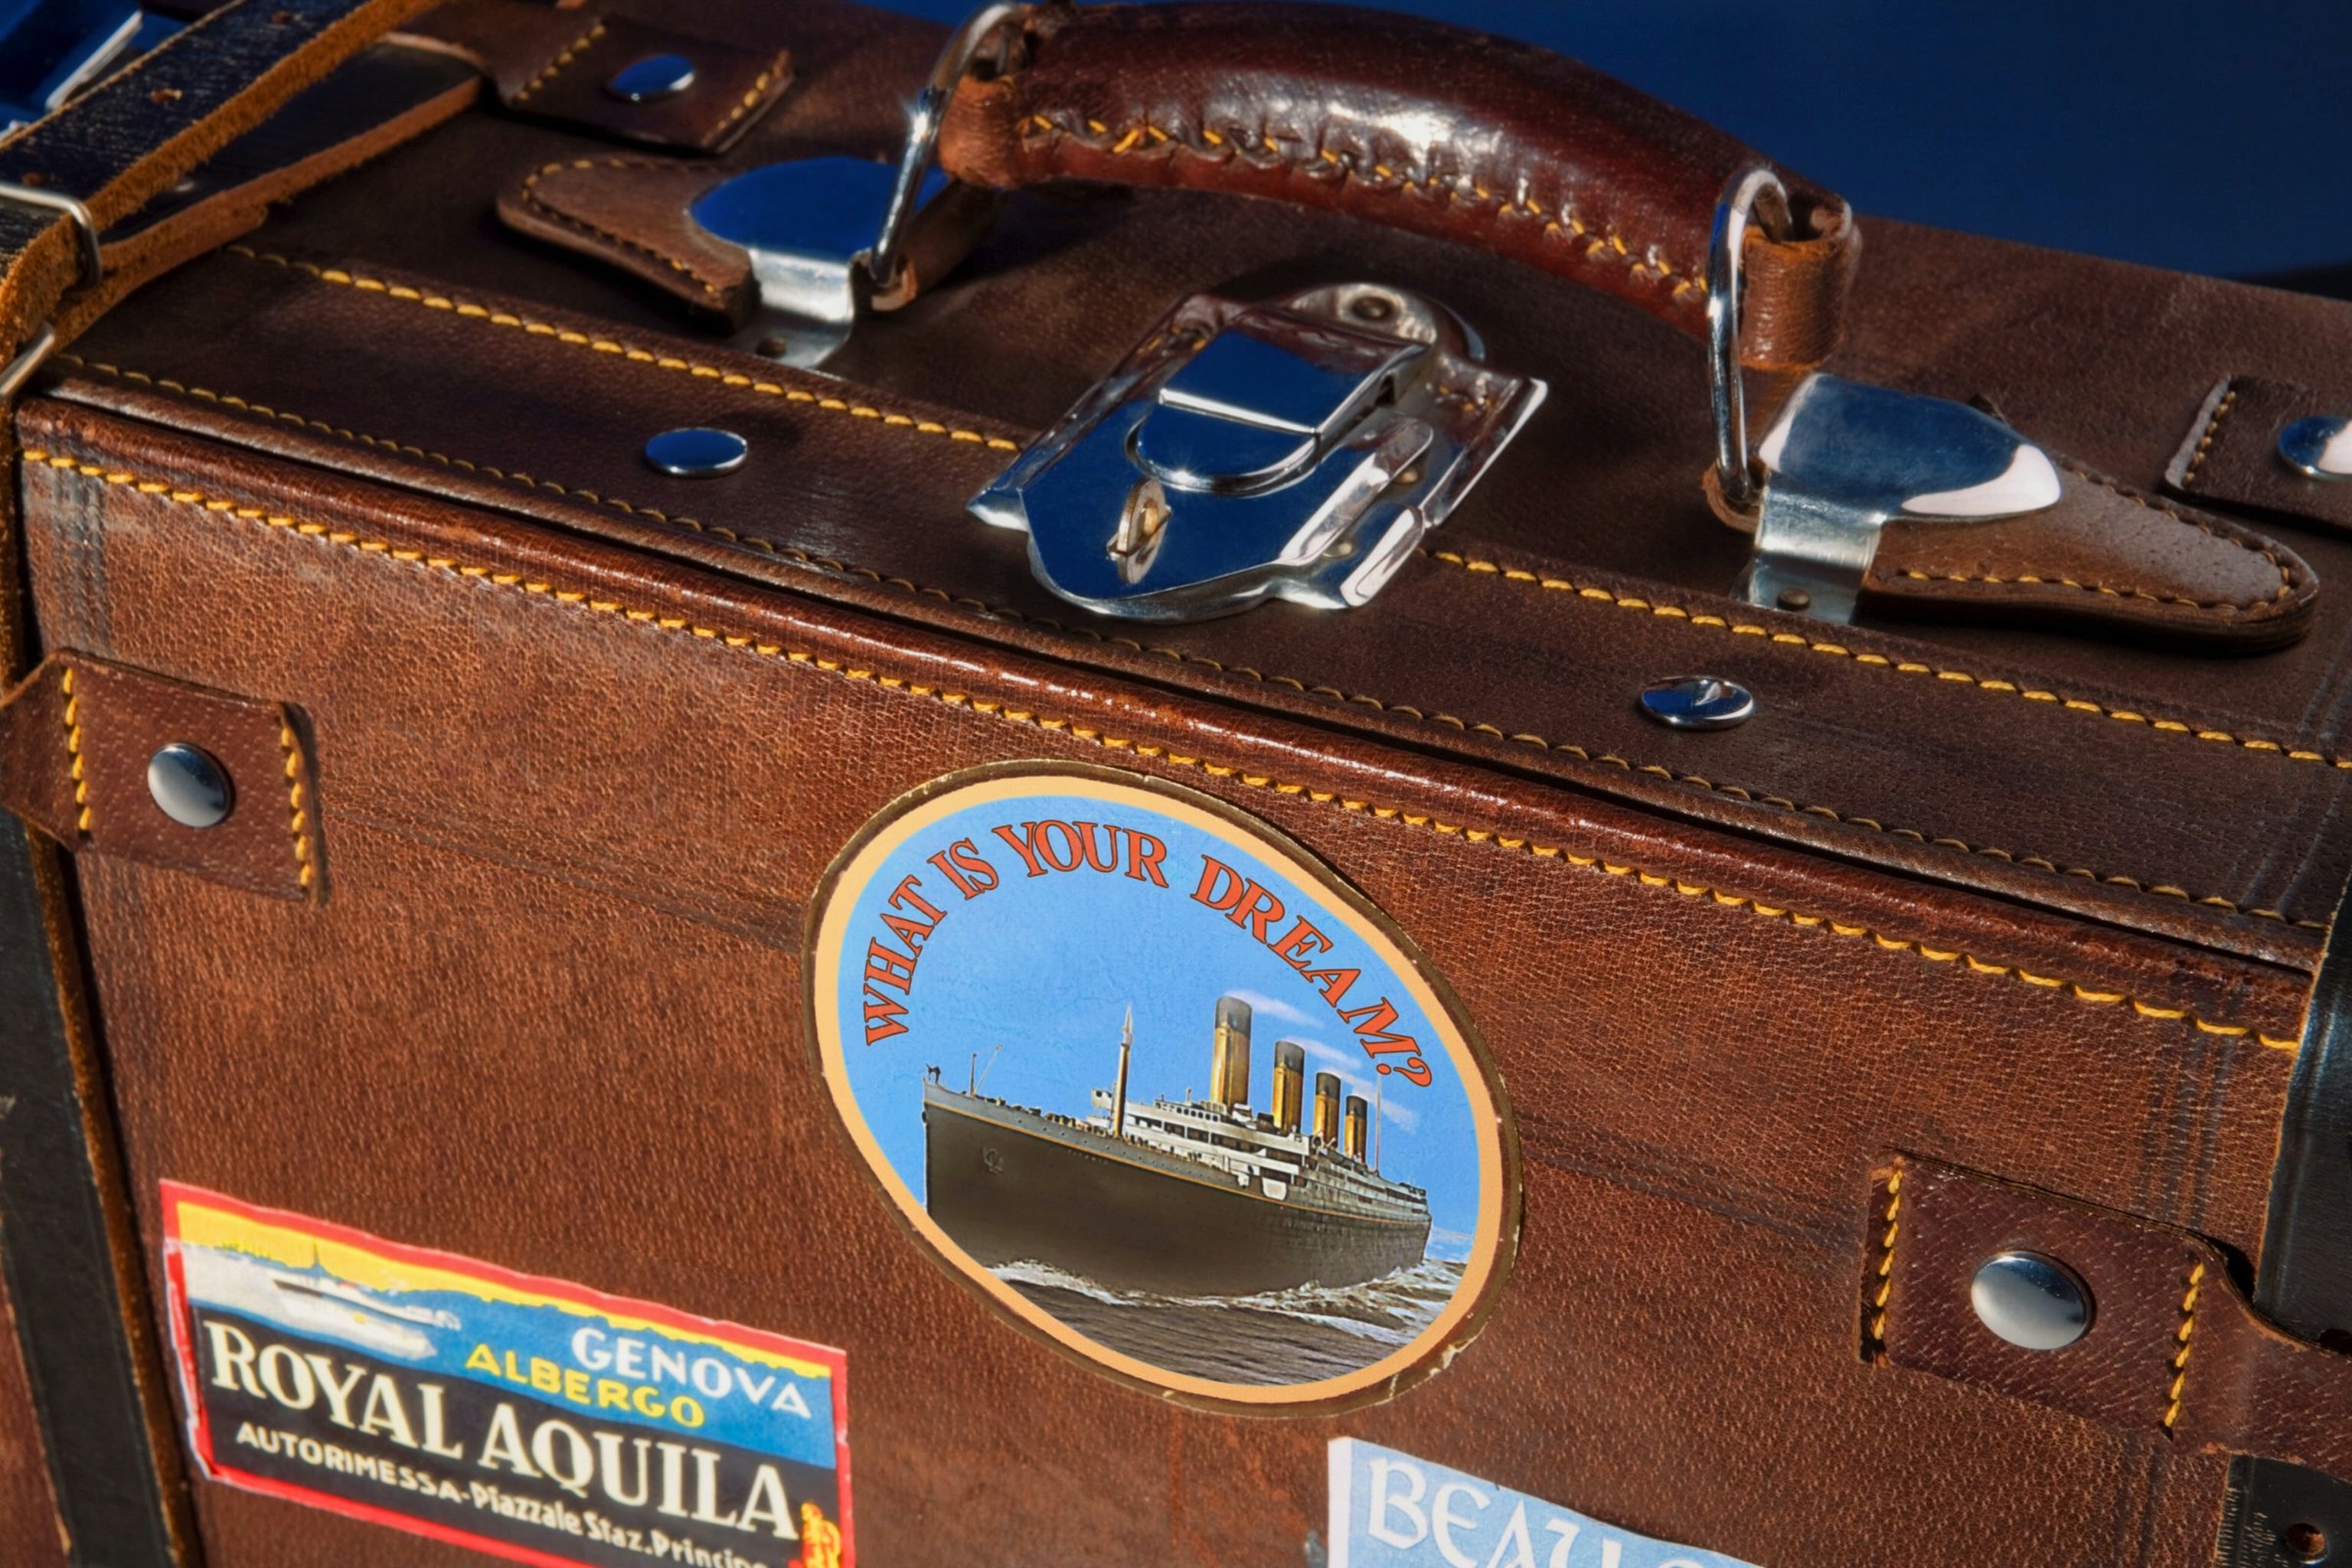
(137, 132)
(75, 736)
(2231, 454)
(2105, 558)
(630, 213)
(2173, 1348)
(554, 62)
(1508, 148)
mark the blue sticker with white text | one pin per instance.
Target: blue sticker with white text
(1392, 1510)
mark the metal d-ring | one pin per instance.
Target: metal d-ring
(885, 261)
(20, 369)
(1755, 190)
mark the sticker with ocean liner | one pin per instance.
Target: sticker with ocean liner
(1160, 1085)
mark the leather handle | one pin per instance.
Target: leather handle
(1410, 123)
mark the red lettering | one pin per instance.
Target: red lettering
(911, 932)
(886, 965)
(1300, 945)
(1028, 855)
(1041, 838)
(1373, 1035)
(1218, 875)
(961, 864)
(1108, 859)
(1256, 911)
(904, 894)
(1144, 854)
(1332, 982)
(882, 1016)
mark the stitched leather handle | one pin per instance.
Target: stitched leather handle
(1411, 123)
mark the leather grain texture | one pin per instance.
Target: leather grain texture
(76, 737)
(556, 927)
(587, 738)
(2172, 1347)
(1407, 122)
(555, 62)
(2231, 454)
(29, 1507)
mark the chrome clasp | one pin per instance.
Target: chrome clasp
(1842, 458)
(830, 237)
(1297, 449)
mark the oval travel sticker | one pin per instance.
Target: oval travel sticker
(1160, 1085)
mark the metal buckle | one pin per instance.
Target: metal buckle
(828, 236)
(1297, 449)
(49, 49)
(1844, 459)
(93, 267)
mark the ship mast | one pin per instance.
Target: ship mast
(1126, 1044)
(1376, 1126)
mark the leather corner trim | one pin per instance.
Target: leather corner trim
(2231, 457)
(2173, 1347)
(552, 63)
(75, 736)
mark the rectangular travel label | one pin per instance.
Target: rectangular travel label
(1392, 1510)
(537, 1420)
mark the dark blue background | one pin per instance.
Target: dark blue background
(2204, 138)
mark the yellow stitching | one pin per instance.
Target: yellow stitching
(2027, 579)
(750, 99)
(2252, 545)
(2205, 442)
(1885, 1287)
(822, 563)
(531, 196)
(555, 67)
(73, 752)
(1603, 246)
(625, 350)
(1029, 719)
(299, 820)
(2181, 1356)
(1876, 661)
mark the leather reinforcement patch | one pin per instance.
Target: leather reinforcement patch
(1161, 1087)
(528, 1418)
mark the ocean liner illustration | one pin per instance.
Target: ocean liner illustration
(1178, 1196)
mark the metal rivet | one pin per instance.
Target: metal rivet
(190, 786)
(1794, 599)
(2034, 1302)
(696, 453)
(1698, 702)
(651, 78)
(2319, 447)
(2304, 1543)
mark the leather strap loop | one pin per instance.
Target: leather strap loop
(2173, 1347)
(1508, 148)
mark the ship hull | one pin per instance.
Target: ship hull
(1007, 1193)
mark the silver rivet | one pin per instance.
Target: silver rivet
(696, 453)
(1698, 702)
(2320, 446)
(651, 78)
(190, 786)
(2034, 1302)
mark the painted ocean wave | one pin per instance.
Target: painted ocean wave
(1303, 1335)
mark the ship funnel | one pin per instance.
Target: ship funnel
(1358, 1125)
(1229, 1064)
(1289, 1083)
(1326, 1107)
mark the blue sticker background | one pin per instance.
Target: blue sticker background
(1392, 1510)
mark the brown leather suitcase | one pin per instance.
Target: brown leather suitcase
(598, 967)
